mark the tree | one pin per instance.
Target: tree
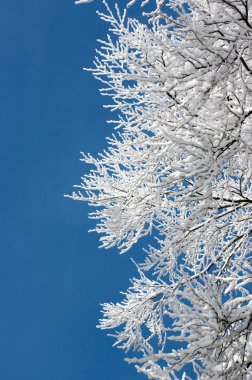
(179, 169)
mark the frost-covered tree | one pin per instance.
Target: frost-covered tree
(179, 168)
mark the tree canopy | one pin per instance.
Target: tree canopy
(179, 168)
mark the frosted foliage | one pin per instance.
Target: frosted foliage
(178, 168)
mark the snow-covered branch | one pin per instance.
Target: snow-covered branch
(179, 168)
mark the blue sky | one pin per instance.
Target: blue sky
(53, 277)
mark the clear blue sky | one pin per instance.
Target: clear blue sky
(53, 277)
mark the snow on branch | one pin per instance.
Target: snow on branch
(179, 169)
(83, 1)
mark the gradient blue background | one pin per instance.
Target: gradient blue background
(52, 275)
